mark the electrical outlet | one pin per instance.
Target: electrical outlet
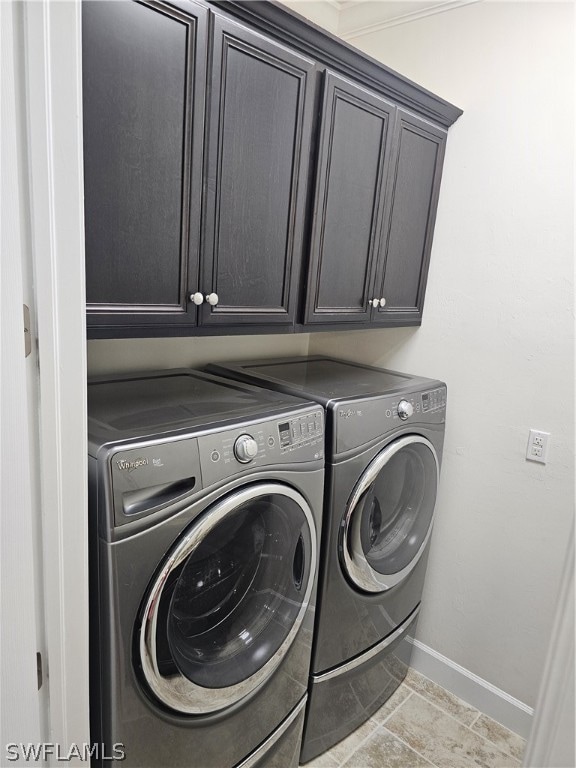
(537, 449)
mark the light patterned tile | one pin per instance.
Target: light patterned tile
(508, 741)
(323, 761)
(344, 748)
(383, 750)
(399, 695)
(456, 707)
(442, 739)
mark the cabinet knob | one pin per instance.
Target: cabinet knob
(382, 302)
(212, 299)
(197, 298)
(374, 302)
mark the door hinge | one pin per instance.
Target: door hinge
(39, 669)
(27, 332)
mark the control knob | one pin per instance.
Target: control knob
(405, 409)
(245, 449)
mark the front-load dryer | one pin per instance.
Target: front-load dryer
(384, 438)
(205, 509)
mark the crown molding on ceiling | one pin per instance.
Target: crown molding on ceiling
(404, 18)
(349, 3)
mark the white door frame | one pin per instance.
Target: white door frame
(53, 102)
(20, 702)
(552, 739)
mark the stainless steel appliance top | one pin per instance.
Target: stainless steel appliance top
(144, 405)
(323, 379)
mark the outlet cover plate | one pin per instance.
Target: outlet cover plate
(537, 449)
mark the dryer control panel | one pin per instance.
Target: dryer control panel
(358, 422)
(414, 405)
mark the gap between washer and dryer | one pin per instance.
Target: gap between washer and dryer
(424, 725)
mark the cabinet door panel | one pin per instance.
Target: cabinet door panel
(353, 156)
(143, 98)
(258, 138)
(410, 217)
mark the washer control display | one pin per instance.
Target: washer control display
(284, 432)
(433, 400)
(304, 430)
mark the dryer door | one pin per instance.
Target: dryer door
(389, 516)
(228, 600)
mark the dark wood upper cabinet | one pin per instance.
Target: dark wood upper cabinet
(406, 241)
(258, 154)
(232, 151)
(143, 84)
(377, 186)
(353, 158)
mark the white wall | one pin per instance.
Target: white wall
(498, 327)
(124, 355)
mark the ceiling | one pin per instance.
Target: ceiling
(359, 17)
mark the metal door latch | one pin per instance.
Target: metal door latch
(27, 332)
(39, 672)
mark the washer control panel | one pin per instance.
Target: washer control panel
(301, 431)
(259, 444)
(434, 400)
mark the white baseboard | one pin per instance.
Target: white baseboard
(492, 701)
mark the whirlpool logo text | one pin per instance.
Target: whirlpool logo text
(349, 413)
(128, 466)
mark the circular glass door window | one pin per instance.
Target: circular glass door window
(388, 520)
(229, 599)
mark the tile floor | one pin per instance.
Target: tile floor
(424, 725)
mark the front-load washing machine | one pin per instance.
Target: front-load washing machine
(384, 438)
(205, 508)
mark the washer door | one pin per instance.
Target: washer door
(228, 600)
(389, 516)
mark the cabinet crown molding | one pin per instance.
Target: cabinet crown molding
(333, 52)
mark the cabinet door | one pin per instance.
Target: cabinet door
(261, 101)
(353, 157)
(143, 88)
(409, 220)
